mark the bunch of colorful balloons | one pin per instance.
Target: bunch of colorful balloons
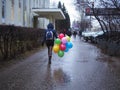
(62, 44)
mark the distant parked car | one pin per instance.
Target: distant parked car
(87, 35)
(97, 34)
(90, 36)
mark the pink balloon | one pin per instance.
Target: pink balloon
(61, 35)
(62, 47)
(64, 40)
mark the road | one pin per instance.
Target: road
(84, 67)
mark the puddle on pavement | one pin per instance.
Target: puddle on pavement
(60, 76)
(82, 61)
(56, 76)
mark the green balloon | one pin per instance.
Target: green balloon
(57, 41)
(60, 53)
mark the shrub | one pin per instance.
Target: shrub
(16, 40)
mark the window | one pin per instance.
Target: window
(24, 12)
(19, 3)
(19, 11)
(12, 10)
(3, 10)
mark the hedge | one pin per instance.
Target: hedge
(15, 40)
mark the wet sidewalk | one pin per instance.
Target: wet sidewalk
(84, 67)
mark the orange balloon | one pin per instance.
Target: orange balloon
(56, 48)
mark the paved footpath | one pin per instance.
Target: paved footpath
(84, 67)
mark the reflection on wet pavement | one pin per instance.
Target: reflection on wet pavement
(60, 77)
(88, 68)
(84, 67)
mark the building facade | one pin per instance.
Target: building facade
(27, 13)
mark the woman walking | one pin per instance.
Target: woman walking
(49, 37)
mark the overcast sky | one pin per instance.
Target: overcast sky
(69, 4)
(73, 13)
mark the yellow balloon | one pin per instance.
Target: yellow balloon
(68, 38)
(56, 48)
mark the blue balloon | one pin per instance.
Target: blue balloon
(67, 46)
(70, 45)
(67, 49)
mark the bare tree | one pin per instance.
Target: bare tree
(108, 22)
